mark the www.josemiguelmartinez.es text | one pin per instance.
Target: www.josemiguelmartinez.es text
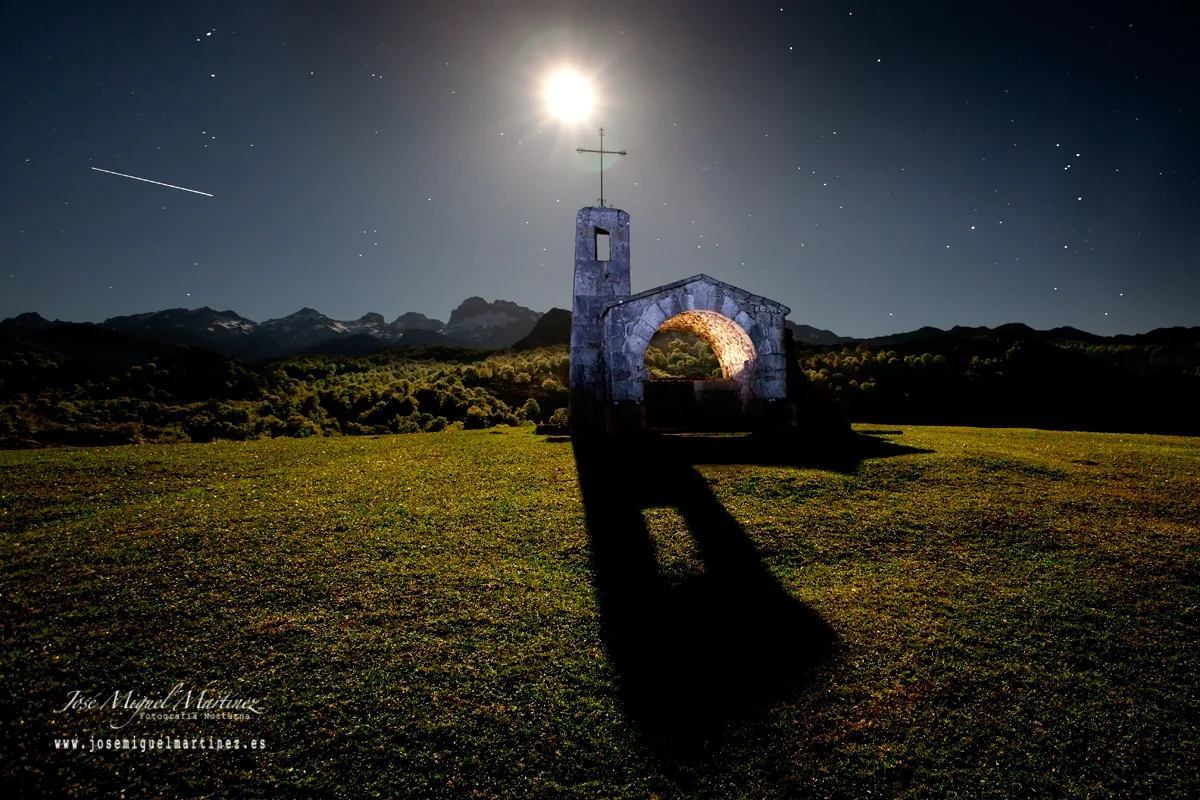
(93, 744)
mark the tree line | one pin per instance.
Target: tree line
(189, 394)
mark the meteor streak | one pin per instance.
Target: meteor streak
(156, 183)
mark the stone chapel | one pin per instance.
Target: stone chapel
(611, 328)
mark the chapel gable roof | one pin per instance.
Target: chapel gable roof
(728, 288)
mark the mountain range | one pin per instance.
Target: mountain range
(475, 323)
(1013, 330)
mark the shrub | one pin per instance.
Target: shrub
(530, 410)
(476, 418)
(404, 425)
(560, 417)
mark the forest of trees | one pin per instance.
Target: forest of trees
(1013, 383)
(193, 395)
(188, 394)
(681, 355)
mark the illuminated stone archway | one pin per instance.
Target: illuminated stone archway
(729, 342)
(745, 332)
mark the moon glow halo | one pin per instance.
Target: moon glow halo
(569, 96)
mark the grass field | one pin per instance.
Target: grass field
(1006, 613)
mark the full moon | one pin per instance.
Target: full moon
(569, 96)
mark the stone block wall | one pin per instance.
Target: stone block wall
(597, 284)
(745, 331)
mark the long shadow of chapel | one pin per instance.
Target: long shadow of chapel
(692, 657)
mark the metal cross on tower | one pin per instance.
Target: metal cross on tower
(602, 152)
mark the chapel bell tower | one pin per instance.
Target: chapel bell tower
(601, 277)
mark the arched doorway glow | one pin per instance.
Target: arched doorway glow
(729, 342)
(705, 399)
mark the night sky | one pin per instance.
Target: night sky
(875, 166)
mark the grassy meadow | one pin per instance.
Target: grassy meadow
(936, 612)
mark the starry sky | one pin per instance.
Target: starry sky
(875, 166)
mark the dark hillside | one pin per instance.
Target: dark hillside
(554, 327)
(86, 384)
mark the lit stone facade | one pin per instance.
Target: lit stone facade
(610, 330)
